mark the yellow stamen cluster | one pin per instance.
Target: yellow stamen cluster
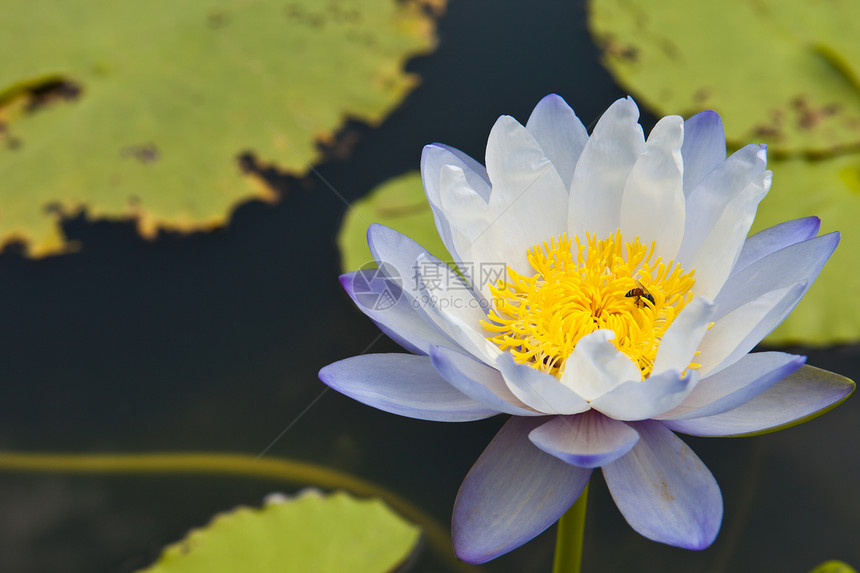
(603, 284)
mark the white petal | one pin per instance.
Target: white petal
(720, 249)
(588, 440)
(433, 158)
(528, 202)
(539, 390)
(560, 134)
(464, 210)
(595, 366)
(652, 207)
(707, 202)
(704, 147)
(602, 170)
(682, 338)
(646, 399)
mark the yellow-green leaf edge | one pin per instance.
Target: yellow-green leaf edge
(172, 93)
(398, 203)
(333, 533)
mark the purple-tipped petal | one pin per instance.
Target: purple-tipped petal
(799, 397)
(776, 238)
(735, 334)
(796, 263)
(539, 390)
(651, 397)
(664, 490)
(560, 134)
(478, 381)
(735, 385)
(512, 493)
(588, 440)
(385, 303)
(707, 202)
(402, 384)
(704, 147)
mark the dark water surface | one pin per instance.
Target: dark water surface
(212, 342)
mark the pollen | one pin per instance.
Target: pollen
(579, 288)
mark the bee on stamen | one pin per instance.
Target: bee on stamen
(639, 292)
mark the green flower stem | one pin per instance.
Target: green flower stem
(568, 538)
(270, 468)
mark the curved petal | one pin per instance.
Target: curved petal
(648, 398)
(466, 212)
(774, 239)
(704, 147)
(602, 170)
(478, 381)
(402, 384)
(735, 334)
(433, 158)
(434, 290)
(721, 247)
(678, 345)
(529, 200)
(539, 390)
(706, 203)
(595, 366)
(735, 385)
(512, 493)
(560, 134)
(799, 397)
(796, 263)
(588, 440)
(384, 302)
(652, 206)
(664, 490)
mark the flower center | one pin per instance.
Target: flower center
(603, 284)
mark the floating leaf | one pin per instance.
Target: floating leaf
(140, 109)
(334, 533)
(785, 73)
(830, 189)
(833, 567)
(398, 203)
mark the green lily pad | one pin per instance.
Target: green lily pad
(829, 189)
(140, 109)
(398, 203)
(333, 533)
(782, 73)
(834, 567)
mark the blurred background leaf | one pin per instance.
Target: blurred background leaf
(787, 73)
(311, 532)
(141, 110)
(398, 203)
(833, 567)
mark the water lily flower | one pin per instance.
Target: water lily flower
(606, 296)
